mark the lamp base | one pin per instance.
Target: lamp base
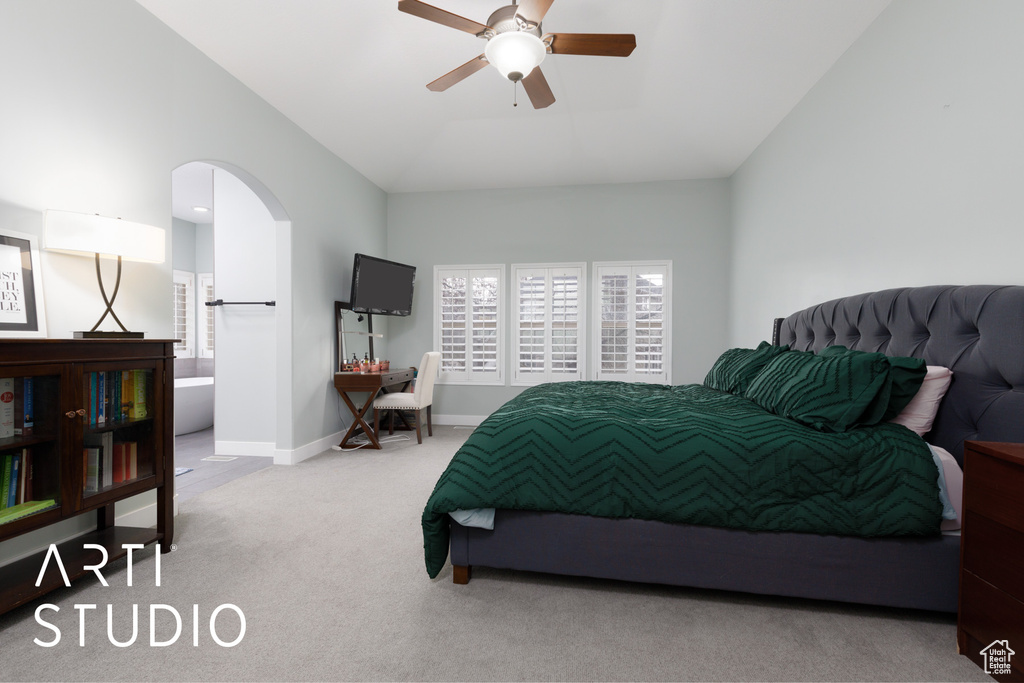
(118, 334)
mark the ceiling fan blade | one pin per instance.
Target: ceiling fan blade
(537, 88)
(440, 16)
(533, 10)
(598, 44)
(456, 75)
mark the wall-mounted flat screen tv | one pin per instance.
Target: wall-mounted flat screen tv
(380, 286)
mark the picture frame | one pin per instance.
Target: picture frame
(22, 314)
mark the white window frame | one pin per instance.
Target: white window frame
(469, 376)
(204, 336)
(185, 347)
(548, 271)
(632, 269)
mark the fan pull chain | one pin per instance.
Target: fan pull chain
(515, 92)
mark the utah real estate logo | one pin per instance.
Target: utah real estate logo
(997, 657)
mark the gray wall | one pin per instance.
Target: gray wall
(902, 166)
(183, 245)
(685, 221)
(99, 108)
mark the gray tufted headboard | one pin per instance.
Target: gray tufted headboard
(976, 330)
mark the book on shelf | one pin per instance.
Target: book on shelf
(94, 410)
(12, 488)
(132, 459)
(139, 408)
(5, 479)
(6, 407)
(115, 396)
(25, 484)
(23, 400)
(93, 462)
(13, 474)
(25, 509)
(119, 468)
(127, 395)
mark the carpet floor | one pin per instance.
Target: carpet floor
(325, 561)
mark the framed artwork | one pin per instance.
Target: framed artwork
(21, 287)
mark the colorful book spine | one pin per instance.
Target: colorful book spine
(26, 476)
(5, 481)
(126, 394)
(6, 407)
(141, 410)
(133, 460)
(101, 398)
(115, 402)
(12, 488)
(23, 404)
(93, 406)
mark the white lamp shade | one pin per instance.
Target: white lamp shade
(515, 52)
(80, 233)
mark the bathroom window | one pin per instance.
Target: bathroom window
(204, 348)
(184, 314)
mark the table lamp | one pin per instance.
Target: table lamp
(88, 235)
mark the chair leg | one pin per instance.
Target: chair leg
(430, 427)
(419, 437)
(376, 423)
(391, 422)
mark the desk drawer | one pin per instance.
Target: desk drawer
(398, 376)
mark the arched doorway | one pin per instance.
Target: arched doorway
(251, 260)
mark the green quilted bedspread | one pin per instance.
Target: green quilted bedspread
(684, 454)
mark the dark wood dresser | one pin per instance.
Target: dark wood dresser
(990, 623)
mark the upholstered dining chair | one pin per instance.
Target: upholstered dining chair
(419, 400)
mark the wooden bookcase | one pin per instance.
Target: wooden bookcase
(80, 463)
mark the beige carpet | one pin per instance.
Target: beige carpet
(325, 560)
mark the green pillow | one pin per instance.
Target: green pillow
(907, 375)
(736, 368)
(830, 392)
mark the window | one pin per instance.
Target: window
(204, 345)
(184, 314)
(467, 323)
(632, 330)
(550, 323)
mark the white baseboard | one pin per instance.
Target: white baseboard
(297, 455)
(466, 420)
(255, 448)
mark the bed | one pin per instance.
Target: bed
(977, 331)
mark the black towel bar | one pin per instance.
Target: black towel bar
(221, 302)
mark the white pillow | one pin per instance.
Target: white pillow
(920, 412)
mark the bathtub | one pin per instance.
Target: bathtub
(193, 404)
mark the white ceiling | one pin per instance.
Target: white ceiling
(707, 83)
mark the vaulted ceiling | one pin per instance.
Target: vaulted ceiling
(707, 83)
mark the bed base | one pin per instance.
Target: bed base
(919, 573)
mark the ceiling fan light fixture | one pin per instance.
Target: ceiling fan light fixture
(515, 53)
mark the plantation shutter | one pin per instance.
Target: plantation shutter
(549, 321)
(468, 324)
(204, 348)
(184, 315)
(632, 335)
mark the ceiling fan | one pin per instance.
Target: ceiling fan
(516, 45)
